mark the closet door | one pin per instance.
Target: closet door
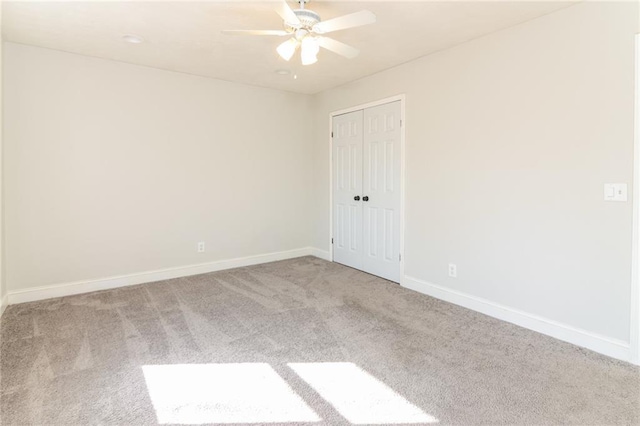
(381, 191)
(347, 189)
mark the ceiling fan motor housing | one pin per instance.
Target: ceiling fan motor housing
(308, 18)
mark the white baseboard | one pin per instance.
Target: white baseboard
(322, 254)
(601, 344)
(59, 290)
(4, 302)
(604, 345)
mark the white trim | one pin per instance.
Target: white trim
(330, 209)
(79, 287)
(4, 302)
(321, 254)
(604, 345)
(403, 172)
(634, 328)
(402, 98)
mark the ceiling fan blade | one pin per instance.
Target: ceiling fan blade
(364, 17)
(256, 32)
(338, 47)
(287, 14)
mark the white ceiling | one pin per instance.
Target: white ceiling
(185, 36)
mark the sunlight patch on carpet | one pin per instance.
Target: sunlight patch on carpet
(223, 393)
(358, 396)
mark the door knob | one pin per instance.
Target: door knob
(365, 198)
(357, 198)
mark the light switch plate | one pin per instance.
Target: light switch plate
(615, 192)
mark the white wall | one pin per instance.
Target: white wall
(509, 140)
(3, 290)
(635, 253)
(115, 169)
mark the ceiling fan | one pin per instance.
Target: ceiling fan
(306, 30)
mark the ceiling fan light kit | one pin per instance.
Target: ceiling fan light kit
(309, 50)
(287, 49)
(306, 30)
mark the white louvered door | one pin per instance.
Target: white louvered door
(366, 190)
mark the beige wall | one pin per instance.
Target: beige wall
(114, 169)
(3, 289)
(509, 140)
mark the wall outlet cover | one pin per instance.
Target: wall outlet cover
(453, 270)
(615, 192)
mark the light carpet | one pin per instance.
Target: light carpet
(302, 341)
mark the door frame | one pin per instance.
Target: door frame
(634, 337)
(403, 126)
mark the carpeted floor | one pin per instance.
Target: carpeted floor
(294, 342)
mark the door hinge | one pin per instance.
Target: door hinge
(400, 257)
(332, 241)
(400, 123)
(331, 134)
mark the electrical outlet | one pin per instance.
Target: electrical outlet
(453, 270)
(201, 247)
